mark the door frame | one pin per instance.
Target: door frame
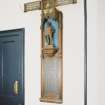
(22, 34)
(85, 52)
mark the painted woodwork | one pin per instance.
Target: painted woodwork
(51, 48)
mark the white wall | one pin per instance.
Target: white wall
(96, 52)
(12, 17)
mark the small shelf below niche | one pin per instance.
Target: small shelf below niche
(50, 52)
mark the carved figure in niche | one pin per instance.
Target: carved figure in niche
(49, 35)
(50, 26)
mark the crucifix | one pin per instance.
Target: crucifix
(51, 48)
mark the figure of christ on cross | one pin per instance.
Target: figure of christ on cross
(41, 5)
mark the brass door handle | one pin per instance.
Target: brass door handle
(16, 87)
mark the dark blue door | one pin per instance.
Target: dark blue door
(12, 67)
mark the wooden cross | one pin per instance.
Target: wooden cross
(51, 48)
(39, 5)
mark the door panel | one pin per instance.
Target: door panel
(1, 84)
(11, 67)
